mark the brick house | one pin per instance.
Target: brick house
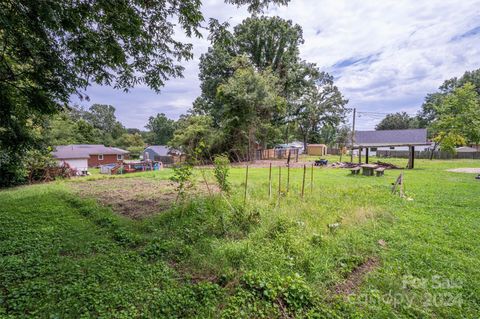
(82, 156)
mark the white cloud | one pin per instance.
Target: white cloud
(405, 49)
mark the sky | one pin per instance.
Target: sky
(385, 55)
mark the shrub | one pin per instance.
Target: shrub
(222, 168)
(182, 176)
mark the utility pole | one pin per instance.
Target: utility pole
(353, 135)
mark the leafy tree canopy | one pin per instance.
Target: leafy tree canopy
(428, 114)
(161, 129)
(250, 99)
(458, 118)
(397, 121)
(53, 49)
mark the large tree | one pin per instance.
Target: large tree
(160, 128)
(322, 104)
(427, 115)
(268, 42)
(458, 118)
(53, 49)
(250, 99)
(397, 121)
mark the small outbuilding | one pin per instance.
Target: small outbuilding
(161, 153)
(390, 138)
(317, 149)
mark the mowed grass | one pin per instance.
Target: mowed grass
(279, 256)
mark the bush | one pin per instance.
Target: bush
(222, 169)
(182, 176)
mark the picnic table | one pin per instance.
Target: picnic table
(368, 169)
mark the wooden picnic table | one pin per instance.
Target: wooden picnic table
(368, 169)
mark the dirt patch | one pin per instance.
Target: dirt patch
(132, 197)
(471, 170)
(356, 277)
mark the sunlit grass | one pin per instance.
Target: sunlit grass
(65, 256)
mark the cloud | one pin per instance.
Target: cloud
(385, 56)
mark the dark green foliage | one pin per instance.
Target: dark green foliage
(433, 100)
(54, 49)
(161, 129)
(257, 5)
(270, 45)
(196, 132)
(397, 121)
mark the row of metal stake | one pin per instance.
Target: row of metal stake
(280, 181)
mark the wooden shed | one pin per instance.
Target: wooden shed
(317, 149)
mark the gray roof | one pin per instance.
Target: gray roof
(85, 150)
(391, 138)
(162, 150)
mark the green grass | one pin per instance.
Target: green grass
(61, 256)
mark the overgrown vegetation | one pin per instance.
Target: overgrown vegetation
(221, 172)
(61, 256)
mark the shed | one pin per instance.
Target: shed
(391, 138)
(317, 149)
(161, 153)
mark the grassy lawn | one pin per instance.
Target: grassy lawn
(348, 249)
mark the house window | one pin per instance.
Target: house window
(392, 147)
(373, 149)
(100, 157)
(119, 157)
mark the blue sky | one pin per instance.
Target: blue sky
(385, 55)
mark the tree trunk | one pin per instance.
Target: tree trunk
(305, 149)
(433, 150)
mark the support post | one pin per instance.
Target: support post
(311, 180)
(270, 182)
(288, 178)
(353, 135)
(279, 181)
(366, 155)
(360, 155)
(303, 181)
(246, 183)
(411, 159)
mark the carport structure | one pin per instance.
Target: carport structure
(390, 138)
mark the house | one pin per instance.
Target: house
(411, 138)
(83, 156)
(161, 153)
(466, 149)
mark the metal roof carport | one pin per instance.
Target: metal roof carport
(389, 138)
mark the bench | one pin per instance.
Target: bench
(379, 171)
(355, 170)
